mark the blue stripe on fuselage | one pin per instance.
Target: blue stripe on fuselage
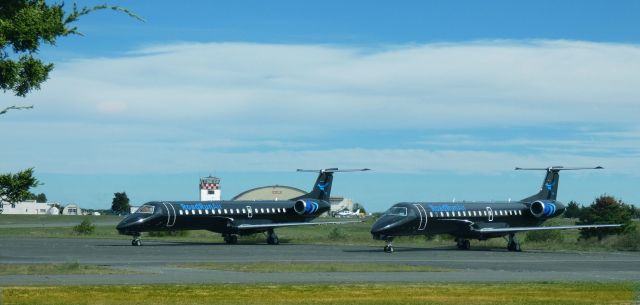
(200, 206)
(447, 208)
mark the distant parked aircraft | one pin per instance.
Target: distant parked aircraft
(478, 220)
(347, 213)
(233, 218)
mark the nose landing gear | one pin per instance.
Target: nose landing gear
(136, 240)
(388, 247)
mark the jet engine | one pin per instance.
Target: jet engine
(305, 207)
(546, 208)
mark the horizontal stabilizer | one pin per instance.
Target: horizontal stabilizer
(556, 168)
(333, 170)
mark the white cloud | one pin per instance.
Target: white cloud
(244, 105)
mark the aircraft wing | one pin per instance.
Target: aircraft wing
(292, 224)
(523, 229)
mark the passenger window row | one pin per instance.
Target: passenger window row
(475, 213)
(238, 211)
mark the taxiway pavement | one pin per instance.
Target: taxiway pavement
(153, 262)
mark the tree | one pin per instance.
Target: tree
(573, 210)
(357, 206)
(120, 203)
(634, 211)
(41, 198)
(15, 187)
(24, 24)
(38, 198)
(606, 210)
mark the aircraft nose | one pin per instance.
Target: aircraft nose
(381, 228)
(378, 227)
(127, 225)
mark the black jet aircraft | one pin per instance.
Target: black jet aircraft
(233, 218)
(477, 220)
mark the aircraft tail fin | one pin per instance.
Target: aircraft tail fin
(322, 188)
(549, 189)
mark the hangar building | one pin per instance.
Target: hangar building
(283, 192)
(270, 192)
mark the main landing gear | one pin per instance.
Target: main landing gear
(513, 244)
(388, 247)
(136, 240)
(272, 238)
(463, 244)
(230, 239)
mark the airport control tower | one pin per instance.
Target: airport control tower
(209, 188)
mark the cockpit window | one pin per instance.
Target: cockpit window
(397, 211)
(145, 209)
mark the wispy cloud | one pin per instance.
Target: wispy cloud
(246, 106)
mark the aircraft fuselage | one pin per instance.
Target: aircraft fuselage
(226, 217)
(462, 220)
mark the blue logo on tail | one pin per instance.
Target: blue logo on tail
(549, 185)
(322, 186)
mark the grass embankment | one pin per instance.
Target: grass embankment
(352, 294)
(348, 234)
(56, 269)
(268, 267)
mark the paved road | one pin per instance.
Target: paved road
(153, 258)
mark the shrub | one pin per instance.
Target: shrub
(544, 236)
(85, 228)
(337, 234)
(629, 241)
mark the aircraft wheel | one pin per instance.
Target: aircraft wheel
(272, 238)
(514, 247)
(136, 242)
(513, 244)
(464, 244)
(388, 249)
(231, 239)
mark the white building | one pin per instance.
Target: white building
(72, 209)
(30, 207)
(340, 204)
(210, 189)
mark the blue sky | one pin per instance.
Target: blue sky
(440, 98)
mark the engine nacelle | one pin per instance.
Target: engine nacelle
(306, 207)
(546, 208)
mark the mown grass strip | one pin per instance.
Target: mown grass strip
(56, 269)
(268, 267)
(352, 294)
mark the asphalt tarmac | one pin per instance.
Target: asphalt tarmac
(153, 260)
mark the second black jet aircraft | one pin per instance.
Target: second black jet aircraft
(233, 218)
(477, 220)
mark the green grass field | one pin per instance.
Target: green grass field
(56, 269)
(348, 234)
(351, 294)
